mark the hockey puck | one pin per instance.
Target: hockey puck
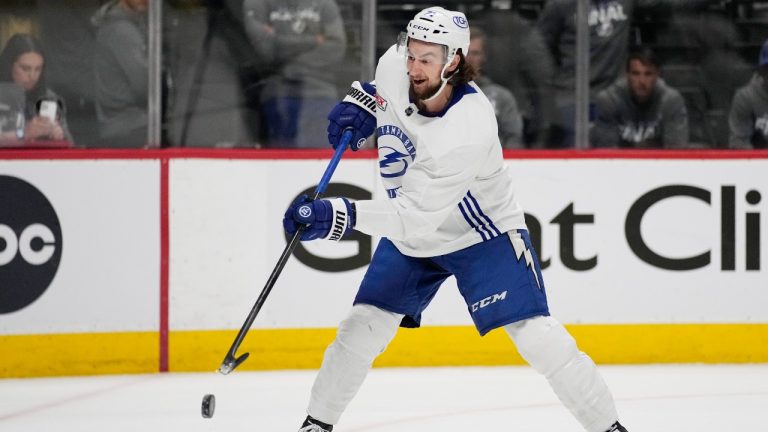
(209, 404)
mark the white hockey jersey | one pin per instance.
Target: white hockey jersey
(447, 183)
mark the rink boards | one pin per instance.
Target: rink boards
(122, 261)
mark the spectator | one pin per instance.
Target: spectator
(713, 69)
(70, 39)
(609, 26)
(504, 104)
(640, 111)
(211, 66)
(121, 71)
(302, 40)
(523, 64)
(22, 63)
(748, 120)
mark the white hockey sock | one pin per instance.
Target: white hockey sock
(548, 347)
(361, 337)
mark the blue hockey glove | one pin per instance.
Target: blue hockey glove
(357, 111)
(328, 219)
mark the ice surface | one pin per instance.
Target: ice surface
(657, 398)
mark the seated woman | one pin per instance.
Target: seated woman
(22, 62)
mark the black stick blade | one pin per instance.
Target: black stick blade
(230, 363)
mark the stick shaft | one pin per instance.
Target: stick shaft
(231, 361)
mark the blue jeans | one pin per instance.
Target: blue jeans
(295, 122)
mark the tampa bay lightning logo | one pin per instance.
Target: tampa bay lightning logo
(396, 151)
(305, 211)
(460, 21)
(392, 163)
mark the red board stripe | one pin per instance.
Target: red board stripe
(164, 251)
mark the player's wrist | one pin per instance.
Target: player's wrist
(341, 218)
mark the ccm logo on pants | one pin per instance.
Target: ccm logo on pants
(489, 301)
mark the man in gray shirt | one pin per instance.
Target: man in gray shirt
(640, 111)
(504, 103)
(121, 69)
(304, 42)
(609, 25)
(748, 120)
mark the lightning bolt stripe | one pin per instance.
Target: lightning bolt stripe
(522, 250)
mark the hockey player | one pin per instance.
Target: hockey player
(450, 210)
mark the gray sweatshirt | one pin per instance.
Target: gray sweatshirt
(507, 113)
(121, 69)
(285, 33)
(661, 122)
(748, 120)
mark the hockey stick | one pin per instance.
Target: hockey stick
(231, 361)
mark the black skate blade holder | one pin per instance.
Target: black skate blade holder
(231, 360)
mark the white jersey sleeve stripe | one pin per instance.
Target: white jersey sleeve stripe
(480, 211)
(477, 221)
(471, 224)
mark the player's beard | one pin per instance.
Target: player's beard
(427, 92)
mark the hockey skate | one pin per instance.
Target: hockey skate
(312, 425)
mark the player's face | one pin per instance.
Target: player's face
(27, 69)
(642, 79)
(425, 62)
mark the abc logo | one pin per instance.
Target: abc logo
(30, 244)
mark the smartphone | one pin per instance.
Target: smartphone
(49, 109)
